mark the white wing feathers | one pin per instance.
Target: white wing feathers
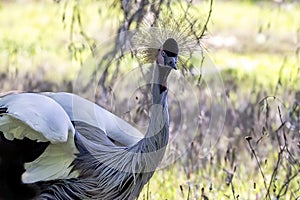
(38, 117)
(80, 109)
(53, 164)
(46, 118)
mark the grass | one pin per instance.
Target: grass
(27, 40)
(254, 47)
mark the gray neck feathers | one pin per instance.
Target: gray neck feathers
(157, 135)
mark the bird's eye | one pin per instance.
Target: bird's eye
(163, 53)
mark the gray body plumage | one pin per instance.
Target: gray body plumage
(108, 171)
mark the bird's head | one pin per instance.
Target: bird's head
(168, 54)
(166, 61)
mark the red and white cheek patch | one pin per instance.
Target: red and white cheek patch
(160, 58)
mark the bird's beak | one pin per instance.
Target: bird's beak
(172, 62)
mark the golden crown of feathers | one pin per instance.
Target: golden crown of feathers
(186, 32)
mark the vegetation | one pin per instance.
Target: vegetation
(255, 46)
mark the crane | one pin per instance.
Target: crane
(49, 150)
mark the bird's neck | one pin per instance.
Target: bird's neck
(149, 151)
(157, 134)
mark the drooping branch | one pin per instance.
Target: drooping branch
(178, 16)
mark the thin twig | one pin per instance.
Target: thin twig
(287, 183)
(208, 18)
(259, 166)
(274, 173)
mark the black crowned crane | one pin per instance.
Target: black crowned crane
(49, 152)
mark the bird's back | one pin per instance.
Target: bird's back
(84, 164)
(105, 170)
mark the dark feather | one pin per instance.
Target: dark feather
(13, 155)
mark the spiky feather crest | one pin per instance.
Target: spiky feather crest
(185, 30)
